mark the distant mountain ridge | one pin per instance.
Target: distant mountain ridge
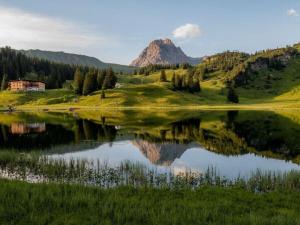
(163, 52)
(74, 59)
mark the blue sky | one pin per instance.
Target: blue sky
(117, 31)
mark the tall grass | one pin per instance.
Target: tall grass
(39, 204)
(35, 168)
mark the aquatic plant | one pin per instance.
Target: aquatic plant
(36, 168)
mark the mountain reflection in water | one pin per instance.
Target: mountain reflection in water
(230, 141)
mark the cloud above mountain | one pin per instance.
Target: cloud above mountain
(22, 29)
(187, 31)
(292, 12)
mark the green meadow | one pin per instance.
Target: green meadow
(24, 203)
(140, 91)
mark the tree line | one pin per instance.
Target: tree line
(88, 81)
(146, 70)
(16, 65)
(225, 61)
(187, 82)
(275, 59)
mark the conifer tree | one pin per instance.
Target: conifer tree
(90, 83)
(173, 81)
(178, 82)
(100, 78)
(4, 82)
(196, 85)
(110, 79)
(78, 82)
(163, 77)
(232, 95)
(190, 83)
(102, 96)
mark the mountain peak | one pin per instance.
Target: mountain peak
(166, 41)
(162, 51)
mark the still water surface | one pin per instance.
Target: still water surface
(234, 143)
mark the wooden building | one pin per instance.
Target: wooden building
(26, 128)
(26, 85)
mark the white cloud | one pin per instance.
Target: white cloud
(187, 31)
(22, 30)
(292, 12)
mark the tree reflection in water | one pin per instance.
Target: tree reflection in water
(227, 133)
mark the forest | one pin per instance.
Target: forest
(16, 65)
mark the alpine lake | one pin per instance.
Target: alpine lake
(232, 143)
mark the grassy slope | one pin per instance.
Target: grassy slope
(147, 92)
(23, 203)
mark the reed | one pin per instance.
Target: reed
(37, 168)
(22, 203)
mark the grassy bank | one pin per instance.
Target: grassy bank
(23, 203)
(146, 92)
(154, 96)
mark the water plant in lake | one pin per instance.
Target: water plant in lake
(36, 168)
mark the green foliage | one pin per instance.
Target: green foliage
(173, 80)
(232, 95)
(32, 76)
(75, 59)
(4, 82)
(16, 65)
(90, 83)
(110, 79)
(154, 68)
(225, 61)
(100, 78)
(25, 203)
(94, 80)
(102, 96)
(163, 77)
(134, 174)
(187, 82)
(274, 59)
(196, 85)
(78, 81)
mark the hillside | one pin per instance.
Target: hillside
(163, 52)
(270, 74)
(265, 80)
(75, 59)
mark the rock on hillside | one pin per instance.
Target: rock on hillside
(163, 52)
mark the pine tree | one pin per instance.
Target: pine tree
(201, 73)
(163, 77)
(78, 82)
(190, 83)
(232, 95)
(90, 83)
(4, 82)
(100, 78)
(185, 84)
(102, 96)
(196, 85)
(110, 79)
(178, 82)
(173, 81)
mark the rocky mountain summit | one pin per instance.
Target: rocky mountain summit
(163, 52)
(161, 154)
